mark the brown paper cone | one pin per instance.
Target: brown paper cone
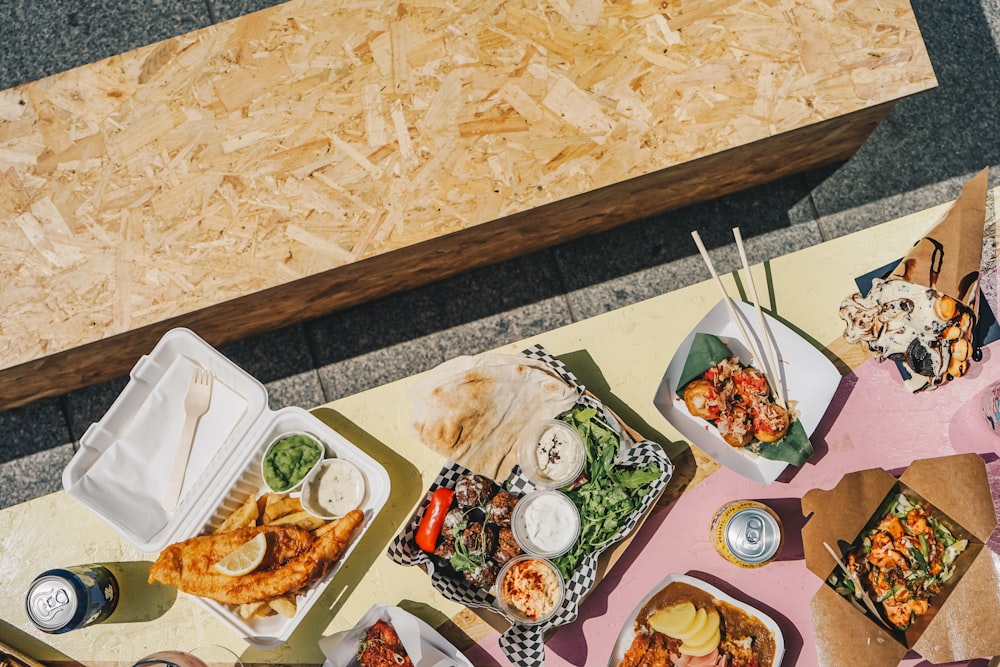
(949, 257)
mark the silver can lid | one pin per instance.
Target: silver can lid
(51, 603)
(753, 535)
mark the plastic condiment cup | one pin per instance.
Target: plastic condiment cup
(545, 523)
(528, 454)
(356, 488)
(273, 444)
(528, 591)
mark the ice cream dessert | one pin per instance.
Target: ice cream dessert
(930, 333)
(923, 314)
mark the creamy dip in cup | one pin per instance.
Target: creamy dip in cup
(545, 523)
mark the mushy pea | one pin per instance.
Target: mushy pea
(290, 460)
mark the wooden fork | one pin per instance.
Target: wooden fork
(199, 395)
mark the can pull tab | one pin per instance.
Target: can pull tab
(753, 536)
(46, 606)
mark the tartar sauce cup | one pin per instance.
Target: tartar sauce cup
(529, 590)
(551, 454)
(333, 488)
(318, 447)
(545, 523)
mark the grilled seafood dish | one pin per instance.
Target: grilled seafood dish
(737, 400)
(685, 626)
(902, 562)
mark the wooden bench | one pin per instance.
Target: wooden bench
(319, 154)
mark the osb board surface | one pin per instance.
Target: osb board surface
(311, 135)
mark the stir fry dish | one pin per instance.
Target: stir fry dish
(901, 563)
(381, 647)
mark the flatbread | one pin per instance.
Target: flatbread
(473, 409)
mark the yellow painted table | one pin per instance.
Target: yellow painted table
(318, 154)
(620, 356)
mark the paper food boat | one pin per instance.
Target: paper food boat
(118, 472)
(959, 625)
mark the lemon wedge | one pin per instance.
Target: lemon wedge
(244, 558)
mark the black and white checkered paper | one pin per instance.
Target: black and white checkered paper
(523, 644)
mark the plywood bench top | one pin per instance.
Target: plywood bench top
(319, 142)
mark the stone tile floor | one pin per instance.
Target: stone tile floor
(919, 157)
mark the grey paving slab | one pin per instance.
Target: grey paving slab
(371, 369)
(34, 475)
(223, 10)
(935, 136)
(43, 37)
(616, 293)
(437, 307)
(31, 429)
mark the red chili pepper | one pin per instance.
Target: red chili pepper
(430, 525)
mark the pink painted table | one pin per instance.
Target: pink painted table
(872, 422)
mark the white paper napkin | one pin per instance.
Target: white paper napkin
(129, 479)
(423, 644)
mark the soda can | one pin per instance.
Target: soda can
(747, 533)
(69, 598)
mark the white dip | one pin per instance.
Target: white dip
(338, 488)
(551, 522)
(559, 456)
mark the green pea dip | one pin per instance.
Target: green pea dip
(289, 460)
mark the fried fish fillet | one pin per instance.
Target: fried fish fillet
(295, 558)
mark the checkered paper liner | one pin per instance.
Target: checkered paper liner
(523, 644)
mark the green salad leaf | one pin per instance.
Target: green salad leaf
(609, 495)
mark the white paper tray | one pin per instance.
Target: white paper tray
(808, 376)
(118, 473)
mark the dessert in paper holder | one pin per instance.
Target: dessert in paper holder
(953, 489)
(923, 314)
(737, 400)
(388, 635)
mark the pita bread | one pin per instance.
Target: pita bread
(472, 409)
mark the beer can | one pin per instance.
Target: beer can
(747, 533)
(69, 598)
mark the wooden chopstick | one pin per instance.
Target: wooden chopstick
(765, 329)
(747, 340)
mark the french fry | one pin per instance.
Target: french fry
(284, 605)
(324, 529)
(244, 515)
(281, 507)
(301, 519)
(250, 609)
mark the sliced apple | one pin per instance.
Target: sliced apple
(702, 649)
(699, 636)
(674, 619)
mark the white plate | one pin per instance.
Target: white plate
(809, 378)
(628, 630)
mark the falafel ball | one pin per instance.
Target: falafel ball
(474, 490)
(445, 548)
(500, 507)
(483, 576)
(453, 518)
(507, 546)
(480, 539)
